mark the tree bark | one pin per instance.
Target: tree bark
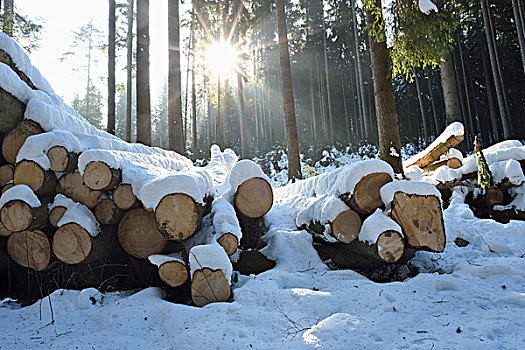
(129, 71)
(294, 164)
(143, 85)
(389, 140)
(495, 71)
(111, 68)
(450, 91)
(176, 133)
(519, 29)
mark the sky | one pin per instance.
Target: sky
(61, 17)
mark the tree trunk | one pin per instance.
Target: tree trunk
(434, 109)
(496, 130)
(519, 29)
(389, 141)
(450, 92)
(143, 86)
(421, 109)
(129, 71)
(327, 76)
(294, 164)
(111, 68)
(193, 90)
(364, 113)
(175, 126)
(312, 103)
(347, 118)
(495, 71)
(9, 14)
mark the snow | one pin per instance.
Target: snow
(160, 259)
(375, 225)
(219, 168)
(493, 155)
(81, 215)
(61, 201)
(194, 182)
(210, 256)
(11, 82)
(20, 192)
(453, 153)
(509, 169)
(225, 219)
(409, 187)
(427, 6)
(337, 182)
(393, 152)
(518, 203)
(453, 129)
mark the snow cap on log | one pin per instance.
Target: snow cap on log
(337, 182)
(194, 182)
(324, 210)
(508, 169)
(517, 204)
(427, 6)
(408, 187)
(81, 215)
(23, 63)
(61, 201)
(211, 256)
(510, 149)
(225, 219)
(375, 225)
(159, 259)
(22, 193)
(242, 171)
(35, 147)
(219, 167)
(454, 130)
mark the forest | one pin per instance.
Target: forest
(262, 174)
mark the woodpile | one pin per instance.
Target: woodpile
(81, 208)
(361, 218)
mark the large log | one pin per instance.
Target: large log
(254, 197)
(17, 215)
(366, 196)
(6, 174)
(72, 186)
(124, 197)
(178, 215)
(72, 244)
(107, 213)
(138, 234)
(14, 140)
(11, 111)
(99, 176)
(209, 286)
(421, 218)
(61, 160)
(42, 182)
(226, 225)
(30, 249)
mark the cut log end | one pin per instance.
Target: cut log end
(71, 244)
(229, 242)
(254, 197)
(29, 173)
(496, 196)
(346, 226)
(124, 197)
(177, 216)
(30, 249)
(209, 286)
(99, 176)
(7, 186)
(55, 215)
(366, 197)
(16, 215)
(62, 160)
(72, 186)
(454, 163)
(16, 138)
(107, 213)
(390, 246)
(6, 174)
(173, 273)
(4, 232)
(421, 219)
(138, 234)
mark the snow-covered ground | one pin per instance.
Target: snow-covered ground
(470, 297)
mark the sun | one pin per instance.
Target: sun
(222, 59)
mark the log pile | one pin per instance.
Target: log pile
(81, 208)
(502, 200)
(361, 218)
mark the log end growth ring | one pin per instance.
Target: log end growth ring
(254, 197)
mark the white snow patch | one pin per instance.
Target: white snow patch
(427, 6)
(225, 219)
(160, 259)
(375, 225)
(61, 201)
(81, 215)
(210, 256)
(509, 169)
(22, 193)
